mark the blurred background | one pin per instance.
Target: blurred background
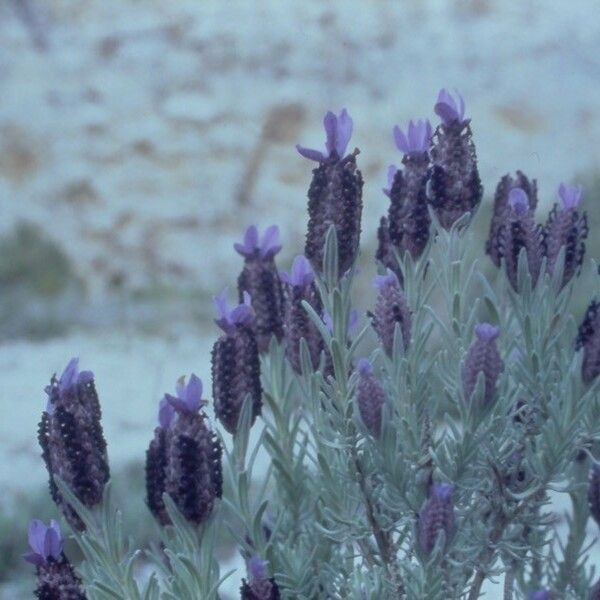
(138, 139)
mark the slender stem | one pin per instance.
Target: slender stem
(509, 580)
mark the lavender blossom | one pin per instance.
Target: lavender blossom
(259, 585)
(455, 187)
(235, 363)
(501, 210)
(299, 286)
(436, 517)
(370, 397)
(56, 578)
(594, 492)
(567, 228)
(70, 435)
(390, 308)
(417, 138)
(260, 279)
(519, 232)
(335, 195)
(482, 357)
(541, 595)
(588, 339)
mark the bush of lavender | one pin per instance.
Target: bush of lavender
(412, 451)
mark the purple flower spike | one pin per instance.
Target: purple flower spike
(189, 397)
(594, 492)
(338, 130)
(268, 247)
(301, 275)
(242, 314)
(449, 109)
(45, 542)
(436, 516)
(417, 137)
(518, 201)
(570, 195)
(486, 332)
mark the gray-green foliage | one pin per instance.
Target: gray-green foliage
(342, 507)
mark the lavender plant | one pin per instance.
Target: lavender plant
(411, 455)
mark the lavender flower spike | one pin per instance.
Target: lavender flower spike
(594, 492)
(370, 397)
(588, 339)
(436, 517)
(482, 357)
(259, 585)
(448, 108)
(338, 131)
(417, 138)
(46, 542)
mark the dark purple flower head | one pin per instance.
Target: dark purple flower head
(370, 397)
(436, 516)
(338, 130)
(588, 339)
(391, 174)
(486, 332)
(242, 314)
(570, 195)
(45, 541)
(266, 248)
(382, 281)
(417, 138)
(189, 397)
(302, 273)
(541, 595)
(594, 492)
(448, 108)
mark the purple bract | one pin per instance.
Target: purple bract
(486, 332)
(301, 273)
(189, 397)
(242, 314)
(45, 542)
(338, 130)
(382, 281)
(417, 138)
(448, 108)
(268, 247)
(518, 201)
(570, 195)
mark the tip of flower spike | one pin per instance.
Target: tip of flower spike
(382, 281)
(188, 398)
(365, 367)
(570, 195)
(242, 314)
(448, 108)
(45, 542)
(486, 332)
(268, 247)
(338, 131)
(444, 491)
(416, 139)
(166, 413)
(257, 569)
(302, 273)
(518, 200)
(541, 595)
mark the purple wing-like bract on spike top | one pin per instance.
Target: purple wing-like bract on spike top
(567, 228)
(454, 186)
(184, 458)
(588, 339)
(299, 286)
(482, 357)
(259, 585)
(370, 397)
(501, 210)
(519, 232)
(436, 517)
(407, 225)
(72, 441)
(260, 279)
(335, 195)
(235, 363)
(594, 493)
(55, 575)
(391, 308)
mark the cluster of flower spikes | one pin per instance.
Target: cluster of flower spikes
(184, 458)
(513, 229)
(72, 441)
(56, 578)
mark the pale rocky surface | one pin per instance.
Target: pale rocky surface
(127, 131)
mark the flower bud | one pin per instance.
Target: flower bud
(594, 492)
(370, 397)
(72, 441)
(482, 357)
(390, 308)
(436, 516)
(455, 187)
(56, 578)
(235, 364)
(259, 585)
(260, 279)
(335, 195)
(588, 338)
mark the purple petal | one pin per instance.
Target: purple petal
(302, 273)
(34, 558)
(69, 376)
(444, 491)
(270, 245)
(486, 332)
(166, 413)
(51, 543)
(570, 195)
(180, 388)
(221, 304)
(343, 133)
(330, 124)
(382, 281)
(311, 154)
(177, 403)
(257, 569)
(365, 367)
(447, 108)
(250, 242)
(401, 140)
(242, 314)
(37, 534)
(518, 200)
(58, 548)
(193, 393)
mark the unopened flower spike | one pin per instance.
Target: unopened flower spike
(259, 585)
(55, 575)
(566, 228)
(72, 441)
(482, 357)
(260, 279)
(455, 187)
(334, 196)
(370, 397)
(417, 138)
(436, 517)
(588, 339)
